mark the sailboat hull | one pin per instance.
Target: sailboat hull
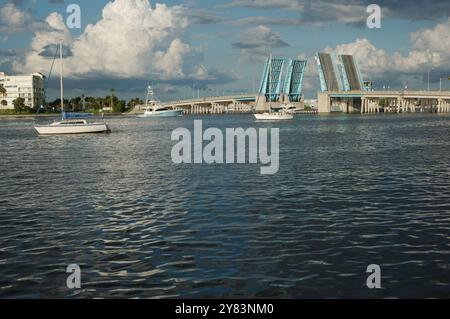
(72, 129)
(273, 117)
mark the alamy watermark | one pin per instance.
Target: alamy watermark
(191, 149)
(74, 279)
(374, 19)
(374, 279)
(74, 18)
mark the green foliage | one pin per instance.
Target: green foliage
(308, 108)
(75, 104)
(56, 105)
(132, 103)
(94, 104)
(119, 107)
(8, 112)
(19, 105)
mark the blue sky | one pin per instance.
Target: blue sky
(220, 46)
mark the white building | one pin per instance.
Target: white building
(29, 87)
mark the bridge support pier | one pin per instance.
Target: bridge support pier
(443, 106)
(363, 105)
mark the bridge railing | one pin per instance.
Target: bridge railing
(425, 92)
(211, 99)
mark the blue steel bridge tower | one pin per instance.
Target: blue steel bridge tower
(271, 82)
(293, 84)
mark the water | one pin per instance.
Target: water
(351, 191)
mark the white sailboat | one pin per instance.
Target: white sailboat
(275, 113)
(153, 107)
(66, 126)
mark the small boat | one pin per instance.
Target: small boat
(274, 116)
(68, 126)
(290, 109)
(280, 113)
(72, 127)
(161, 112)
(155, 109)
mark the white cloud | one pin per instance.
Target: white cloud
(132, 39)
(256, 43)
(430, 50)
(437, 40)
(14, 20)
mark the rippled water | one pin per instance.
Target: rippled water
(351, 191)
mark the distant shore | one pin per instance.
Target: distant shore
(25, 116)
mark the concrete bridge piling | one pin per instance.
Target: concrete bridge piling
(371, 102)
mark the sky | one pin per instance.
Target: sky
(206, 47)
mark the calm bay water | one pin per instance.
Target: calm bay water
(351, 191)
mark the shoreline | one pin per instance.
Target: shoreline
(27, 116)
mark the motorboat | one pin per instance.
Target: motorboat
(154, 108)
(161, 112)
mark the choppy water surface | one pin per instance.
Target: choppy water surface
(351, 191)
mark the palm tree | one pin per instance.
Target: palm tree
(112, 95)
(83, 101)
(2, 90)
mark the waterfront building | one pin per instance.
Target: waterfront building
(29, 87)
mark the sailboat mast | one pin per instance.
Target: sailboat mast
(270, 83)
(61, 78)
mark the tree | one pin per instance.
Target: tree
(119, 107)
(56, 104)
(2, 90)
(91, 103)
(4, 103)
(19, 105)
(76, 104)
(83, 102)
(112, 99)
(136, 101)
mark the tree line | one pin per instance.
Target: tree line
(2, 95)
(94, 104)
(77, 104)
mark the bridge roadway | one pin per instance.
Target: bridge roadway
(210, 105)
(384, 101)
(364, 102)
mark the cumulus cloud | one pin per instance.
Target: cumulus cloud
(12, 20)
(430, 51)
(7, 58)
(259, 41)
(436, 39)
(132, 39)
